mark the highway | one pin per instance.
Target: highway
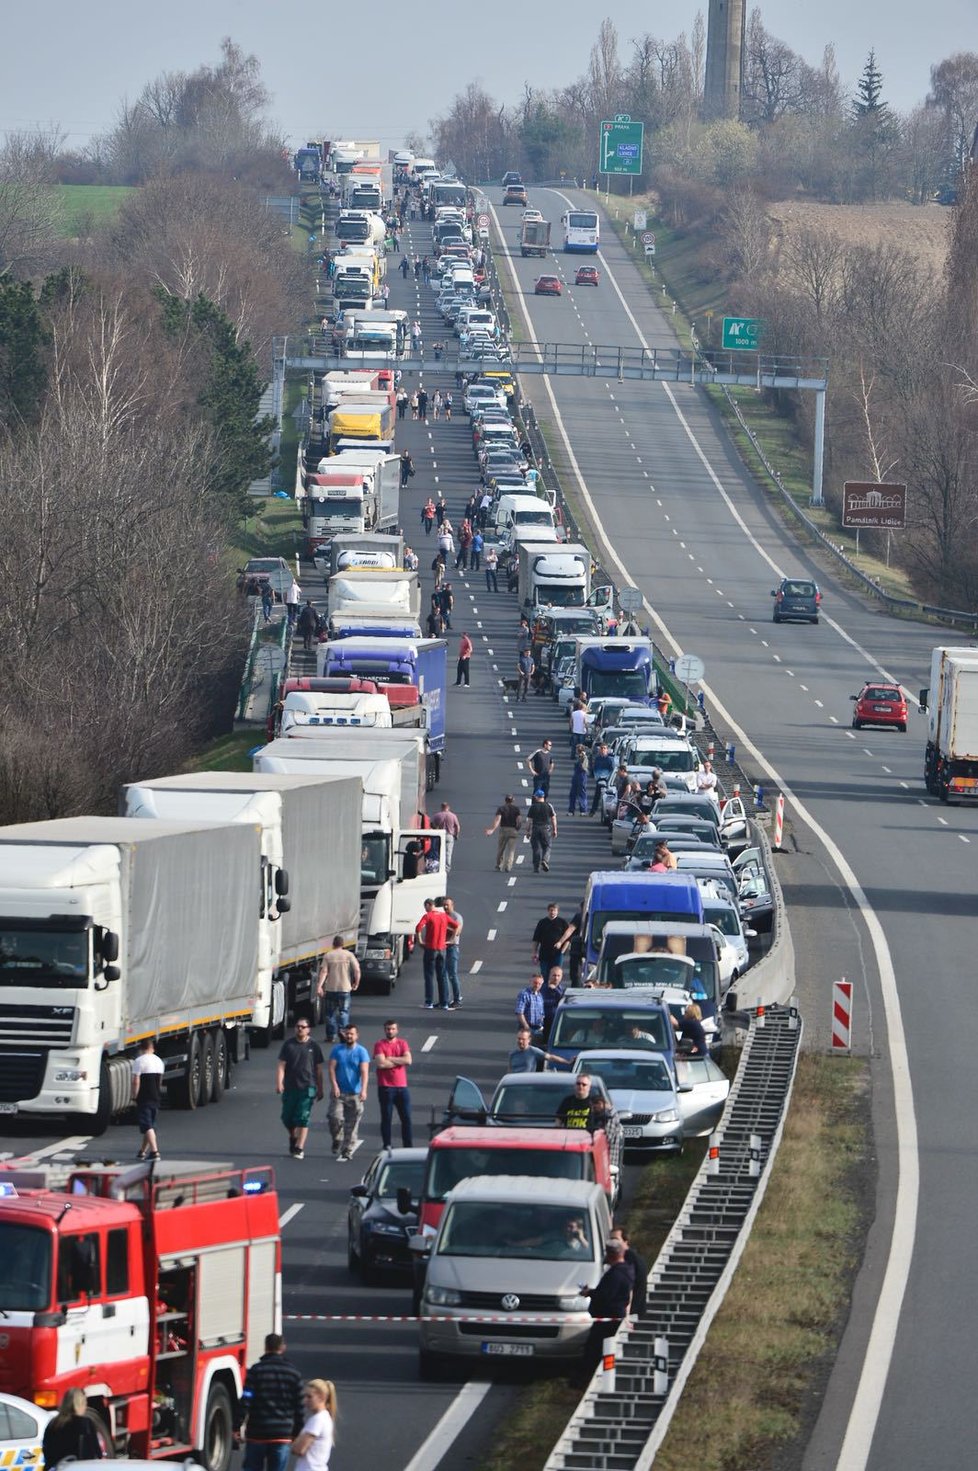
(898, 917)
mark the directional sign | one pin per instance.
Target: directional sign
(621, 145)
(630, 599)
(690, 669)
(741, 334)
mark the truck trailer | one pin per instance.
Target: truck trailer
(951, 701)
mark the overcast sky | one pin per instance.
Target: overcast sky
(71, 63)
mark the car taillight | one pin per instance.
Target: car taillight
(818, 598)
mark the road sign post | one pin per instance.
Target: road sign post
(690, 669)
(621, 145)
(741, 334)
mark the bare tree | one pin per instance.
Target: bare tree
(30, 210)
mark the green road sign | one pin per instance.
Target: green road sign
(621, 145)
(741, 333)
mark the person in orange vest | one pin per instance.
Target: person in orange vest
(664, 703)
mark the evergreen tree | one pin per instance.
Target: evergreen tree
(874, 131)
(868, 101)
(23, 374)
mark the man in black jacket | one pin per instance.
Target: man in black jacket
(272, 1408)
(639, 1267)
(609, 1303)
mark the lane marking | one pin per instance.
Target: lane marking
(501, 906)
(491, 935)
(429, 1042)
(290, 1214)
(475, 967)
(511, 882)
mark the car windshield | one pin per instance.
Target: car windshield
(628, 1072)
(725, 918)
(449, 1166)
(400, 1174)
(530, 1101)
(700, 980)
(667, 758)
(580, 1028)
(516, 1230)
(25, 1268)
(373, 861)
(652, 970)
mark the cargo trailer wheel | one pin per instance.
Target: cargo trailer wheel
(218, 1431)
(206, 1069)
(186, 1089)
(221, 1066)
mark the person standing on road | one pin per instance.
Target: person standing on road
(313, 1446)
(271, 1408)
(475, 551)
(428, 516)
(393, 1058)
(525, 1058)
(445, 543)
(448, 408)
(543, 829)
(541, 764)
(70, 1436)
(307, 623)
(292, 601)
(267, 600)
(492, 566)
(529, 1006)
(553, 995)
(546, 939)
(609, 1302)
(147, 1092)
(452, 953)
(525, 669)
(407, 467)
(577, 797)
(441, 510)
(464, 657)
(423, 405)
(602, 769)
(446, 602)
(639, 1266)
(578, 726)
(432, 930)
(402, 403)
(435, 626)
(706, 781)
(339, 977)
(299, 1080)
(436, 403)
(508, 822)
(349, 1073)
(571, 943)
(448, 823)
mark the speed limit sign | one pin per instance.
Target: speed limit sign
(648, 237)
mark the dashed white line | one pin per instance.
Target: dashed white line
(290, 1214)
(511, 882)
(888, 771)
(475, 967)
(429, 1042)
(491, 935)
(820, 705)
(942, 821)
(963, 838)
(503, 904)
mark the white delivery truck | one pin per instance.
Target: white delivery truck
(951, 758)
(112, 930)
(310, 877)
(557, 576)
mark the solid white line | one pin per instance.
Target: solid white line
(429, 1042)
(290, 1214)
(449, 1427)
(876, 1364)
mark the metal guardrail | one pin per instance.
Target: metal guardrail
(622, 1430)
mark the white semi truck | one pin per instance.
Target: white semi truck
(951, 758)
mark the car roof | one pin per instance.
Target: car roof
(401, 1156)
(609, 1001)
(522, 1188)
(626, 1054)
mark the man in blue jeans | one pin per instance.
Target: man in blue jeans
(393, 1058)
(272, 1408)
(452, 954)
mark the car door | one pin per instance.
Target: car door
(465, 1102)
(360, 1198)
(703, 1090)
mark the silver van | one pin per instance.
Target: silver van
(507, 1268)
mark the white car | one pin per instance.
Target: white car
(721, 911)
(659, 1110)
(22, 1427)
(532, 214)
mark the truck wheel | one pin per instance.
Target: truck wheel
(215, 1453)
(186, 1088)
(96, 1123)
(221, 1067)
(100, 1426)
(206, 1069)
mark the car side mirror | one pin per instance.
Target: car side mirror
(774, 593)
(359, 1191)
(420, 1244)
(684, 1088)
(854, 697)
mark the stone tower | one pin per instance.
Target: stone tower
(724, 58)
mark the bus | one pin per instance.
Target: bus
(581, 233)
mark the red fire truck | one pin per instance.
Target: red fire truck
(150, 1287)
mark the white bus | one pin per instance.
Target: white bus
(580, 227)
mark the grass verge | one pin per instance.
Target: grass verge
(86, 205)
(273, 529)
(228, 752)
(751, 1390)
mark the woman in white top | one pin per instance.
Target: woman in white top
(314, 1443)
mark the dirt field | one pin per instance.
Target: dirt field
(922, 230)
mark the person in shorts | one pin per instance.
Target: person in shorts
(147, 1092)
(299, 1079)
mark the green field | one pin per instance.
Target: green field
(90, 204)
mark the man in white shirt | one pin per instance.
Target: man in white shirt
(578, 727)
(706, 780)
(147, 1092)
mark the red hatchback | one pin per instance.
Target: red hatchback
(586, 276)
(879, 704)
(547, 286)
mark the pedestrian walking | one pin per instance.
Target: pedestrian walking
(525, 669)
(529, 1006)
(541, 764)
(416, 335)
(271, 1409)
(609, 1302)
(392, 1056)
(292, 596)
(438, 571)
(435, 624)
(543, 829)
(475, 551)
(446, 821)
(267, 600)
(446, 543)
(307, 623)
(339, 977)
(492, 563)
(299, 1081)
(147, 1095)
(407, 467)
(404, 267)
(414, 404)
(432, 930)
(313, 1446)
(417, 267)
(436, 403)
(423, 405)
(402, 403)
(70, 1436)
(441, 510)
(349, 1071)
(464, 657)
(546, 939)
(639, 1266)
(448, 408)
(446, 601)
(508, 824)
(452, 954)
(428, 516)
(577, 796)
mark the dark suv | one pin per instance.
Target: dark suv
(796, 599)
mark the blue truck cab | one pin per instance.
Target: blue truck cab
(419, 661)
(616, 666)
(624, 895)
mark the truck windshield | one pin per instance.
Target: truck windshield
(542, 517)
(25, 1268)
(374, 861)
(56, 957)
(449, 1166)
(516, 1230)
(560, 596)
(699, 979)
(629, 683)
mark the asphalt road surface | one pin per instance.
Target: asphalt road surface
(701, 542)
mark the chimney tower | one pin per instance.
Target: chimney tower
(724, 58)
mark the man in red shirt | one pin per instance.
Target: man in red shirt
(433, 929)
(464, 656)
(393, 1058)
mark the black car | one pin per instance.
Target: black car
(378, 1231)
(796, 600)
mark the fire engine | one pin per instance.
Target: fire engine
(149, 1286)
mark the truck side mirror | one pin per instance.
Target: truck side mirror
(110, 946)
(922, 702)
(111, 972)
(281, 882)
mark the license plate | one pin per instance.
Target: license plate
(632, 1131)
(882, 709)
(509, 1350)
(8, 1108)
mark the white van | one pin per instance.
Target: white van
(522, 510)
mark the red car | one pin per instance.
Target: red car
(879, 704)
(547, 286)
(586, 276)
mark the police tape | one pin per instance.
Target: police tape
(432, 1318)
